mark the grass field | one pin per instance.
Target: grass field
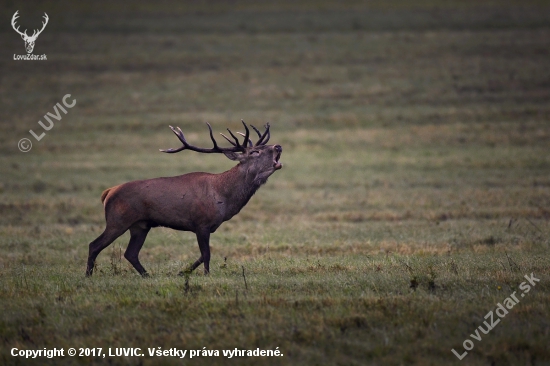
(415, 193)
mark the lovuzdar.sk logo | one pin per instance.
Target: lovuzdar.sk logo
(29, 40)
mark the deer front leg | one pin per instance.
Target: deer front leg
(203, 238)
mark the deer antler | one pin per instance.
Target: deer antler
(13, 19)
(262, 137)
(36, 33)
(237, 146)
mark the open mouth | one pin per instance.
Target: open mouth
(276, 164)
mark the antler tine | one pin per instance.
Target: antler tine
(181, 137)
(46, 18)
(227, 138)
(249, 142)
(266, 133)
(13, 20)
(247, 136)
(234, 137)
(258, 132)
(212, 136)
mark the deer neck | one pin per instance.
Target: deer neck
(236, 186)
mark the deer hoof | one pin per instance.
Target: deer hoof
(185, 273)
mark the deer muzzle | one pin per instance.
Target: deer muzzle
(276, 164)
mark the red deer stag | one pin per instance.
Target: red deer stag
(197, 202)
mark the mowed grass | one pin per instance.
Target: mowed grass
(414, 197)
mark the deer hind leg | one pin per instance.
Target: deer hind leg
(138, 235)
(100, 243)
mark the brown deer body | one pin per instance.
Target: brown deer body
(197, 202)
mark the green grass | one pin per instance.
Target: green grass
(415, 193)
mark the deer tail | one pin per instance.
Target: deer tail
(104, 194)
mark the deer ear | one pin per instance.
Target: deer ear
(231, 155)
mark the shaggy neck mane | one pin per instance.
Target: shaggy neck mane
(232, 187)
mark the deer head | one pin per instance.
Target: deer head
(29, 40)
(260, 159)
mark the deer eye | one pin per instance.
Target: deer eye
(254, 152)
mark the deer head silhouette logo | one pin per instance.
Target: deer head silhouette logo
(29, 40)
